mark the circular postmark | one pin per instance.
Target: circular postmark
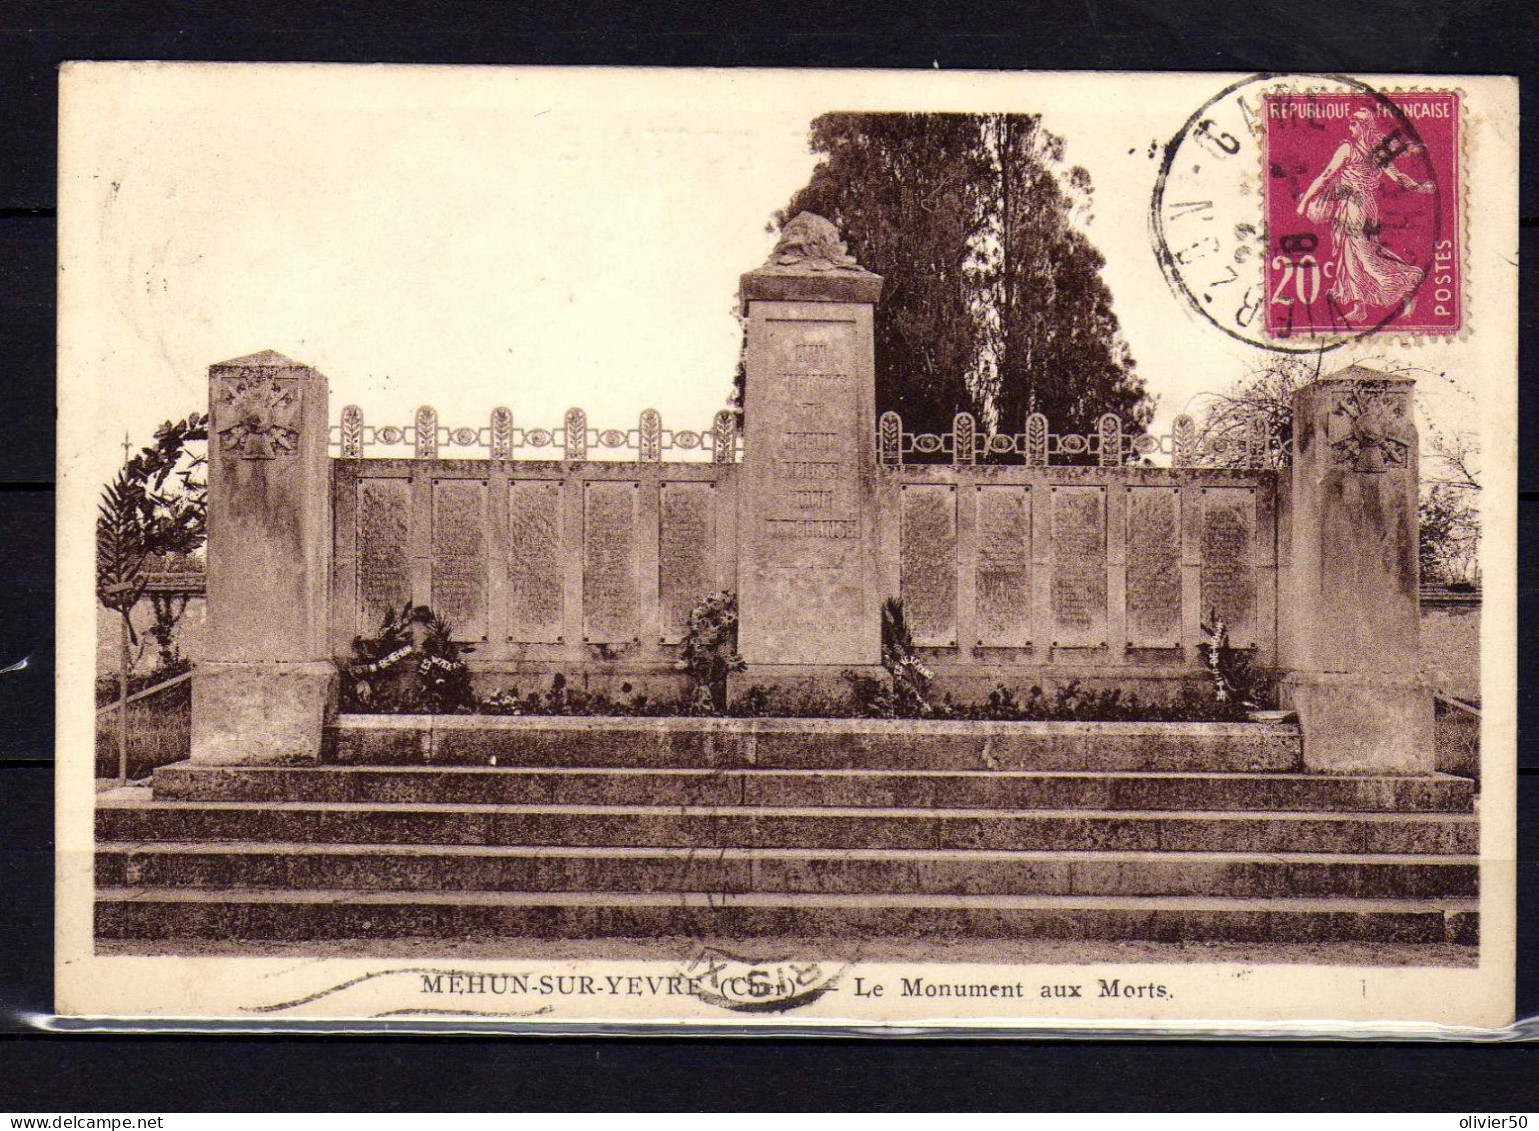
(1298, 213)
(745, 985)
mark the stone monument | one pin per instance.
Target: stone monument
(266, 681)
(1352, 623)
(807, 518)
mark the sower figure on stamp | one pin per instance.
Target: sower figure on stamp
(1346, 195)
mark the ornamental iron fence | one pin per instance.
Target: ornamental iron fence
(1112, 444)
(501, 439)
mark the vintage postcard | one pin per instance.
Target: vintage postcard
(552, 547)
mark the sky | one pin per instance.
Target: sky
(470, 238)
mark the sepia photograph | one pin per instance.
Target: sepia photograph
(746, 548)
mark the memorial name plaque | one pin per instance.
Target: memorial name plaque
(534, 592)
(686, 557)
(1228, 561)
(609, 591)
(806, 521)
(1079, 566)
(1004, 567)
(459, 556)
(929, 564)
(384, 557)
(1153, 568)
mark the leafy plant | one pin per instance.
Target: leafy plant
(562, 699)
(172, 473)
(1448, 544)
(1002, 703)
(710, 652)
(156, 506)
(413, 666)
(756, 701)
(123, 543)
(872, 697)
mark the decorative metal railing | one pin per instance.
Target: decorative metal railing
(500, 438)
(1112, 444)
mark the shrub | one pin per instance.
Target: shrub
(875, 698)
(414, 666)
(562, 699)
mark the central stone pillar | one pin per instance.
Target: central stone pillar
(265, 683)
(1352, 606)
(807, 574)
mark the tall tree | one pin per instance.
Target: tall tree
(1055, 346)
(993, 301)
(905, 190)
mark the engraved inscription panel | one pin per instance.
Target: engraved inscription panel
(809, 498)
(1229, 561)
(1153, 568)
(535, 592)
(384, 561)
(929, 564)
(459, 556)
(686, 559)
(1079, 566)
(807, 572)
(609, 596)
(1004, 567)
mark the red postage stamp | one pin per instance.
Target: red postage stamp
(1362, 211)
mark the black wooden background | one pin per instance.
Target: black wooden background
(43, 1072)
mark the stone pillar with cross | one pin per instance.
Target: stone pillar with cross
(266, 684)
(1350, 615)
(807, 573)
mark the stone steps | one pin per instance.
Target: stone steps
(714, 827)
(171, 913)
(463, 827)
(415, 868)
(936, 789)
(792, 744)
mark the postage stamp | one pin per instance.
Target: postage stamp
(1362, 200)
(1304, 213)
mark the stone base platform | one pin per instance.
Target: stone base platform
(714, 744)
(526, 828)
